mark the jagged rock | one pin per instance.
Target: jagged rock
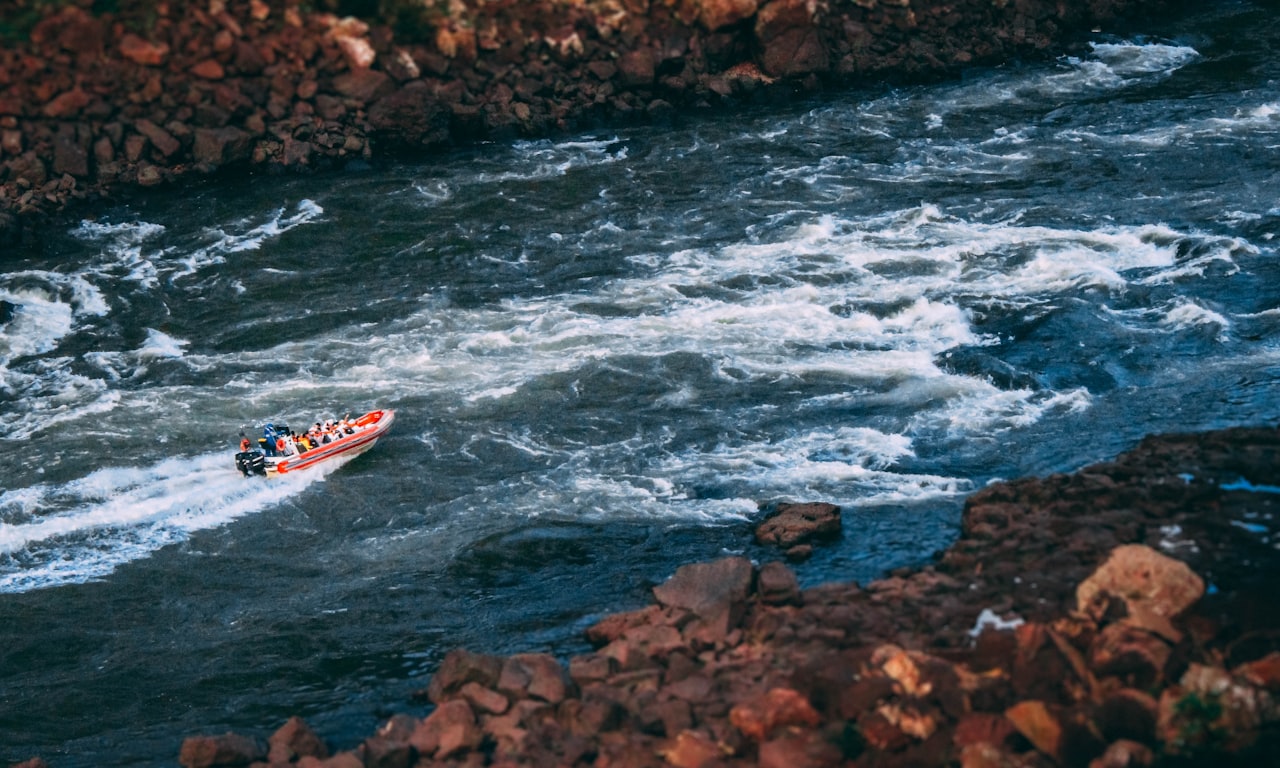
(450, 729)
(293, 740)
(215, 751)
(460, 667)
(715, 593)
(536, 675)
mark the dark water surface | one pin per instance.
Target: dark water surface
(604, 353)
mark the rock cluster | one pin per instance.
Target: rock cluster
(1114, 617)
(158, 90)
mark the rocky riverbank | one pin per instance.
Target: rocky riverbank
(157, 91)
(1123, 615)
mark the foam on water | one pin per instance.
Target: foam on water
(83, 530)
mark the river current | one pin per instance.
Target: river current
(605, 352)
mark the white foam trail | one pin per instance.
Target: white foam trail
(85, 529)
(544, 159)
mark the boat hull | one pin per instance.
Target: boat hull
(369, 428)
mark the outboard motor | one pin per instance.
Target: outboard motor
(251, 463)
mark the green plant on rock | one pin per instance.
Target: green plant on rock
(1197, 717)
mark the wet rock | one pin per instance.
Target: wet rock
(460, 667)
(792, 524)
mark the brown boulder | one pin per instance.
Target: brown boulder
(534, 675)
(293, 740)
(217, 146)
(1145, 579)
(69, 155)
(460, 667)
(161, 139)
(364, 85)
(777, 585)
(788, 34)
(213, 751)
(691, 749)
(414, 114)
(67, 104)
(715, 593)
(792, 524)
(450, 729)
(760, 717)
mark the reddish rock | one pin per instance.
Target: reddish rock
(460, 667)
(484, 700)
(787, 32)
(760, 717)
(447, 731)
(293, 740)
(777, 585)
(792, 524)
(143, 52)
(1037, 724)
(536, 675)
(717, 14)
(364, 85)
(209, 69)
(67, 104)
(1132, 654)
(213, 751)
(799, 748)
(691, 749)
(1145, 579)
(982, 727)
(715, 593)
(161, 139)
(1264, 672)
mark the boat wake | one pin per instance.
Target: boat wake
(83, 530)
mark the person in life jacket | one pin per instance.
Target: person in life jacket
(244, 442)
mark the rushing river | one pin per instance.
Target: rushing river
(604, 353)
